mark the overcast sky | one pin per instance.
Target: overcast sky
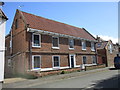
(99, 18)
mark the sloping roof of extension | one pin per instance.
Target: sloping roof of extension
(40, 23)
(101, 45)
(3, 15)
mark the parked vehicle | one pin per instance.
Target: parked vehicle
(117, 62)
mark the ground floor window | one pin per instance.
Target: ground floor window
(36, 62)
(56, 61)
(84, 60)
(9, 62)
(94, 60)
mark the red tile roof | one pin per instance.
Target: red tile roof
(3, 15)
(40, 23)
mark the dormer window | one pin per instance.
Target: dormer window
(98, 45)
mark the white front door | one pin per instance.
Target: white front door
(72, 60)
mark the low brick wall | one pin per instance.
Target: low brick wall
(62, 71)
(95, 67)
(53, 72)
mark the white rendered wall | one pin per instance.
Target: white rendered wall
(2, 49)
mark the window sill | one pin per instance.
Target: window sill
(56, 68)
(84, 49)
(55, 48)
(37, 69)
(36, 46)
(93, 50)
(90, 64)
(71, 49)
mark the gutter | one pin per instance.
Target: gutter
(56, 34)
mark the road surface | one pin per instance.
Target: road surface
(97, 79)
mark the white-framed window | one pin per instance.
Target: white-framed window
(9, 62)
(56, 61)
(36, 39)
(83, 45)
(10, 43)
(92, 46)
(84, 58)
(55, 42)
(110, 47)
(71, 43)
(36, 62)
(94, 60)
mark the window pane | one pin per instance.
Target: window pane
(110, 47)
(83, 45)
(9, 62)
(84, 60)
(71, 43)
(36, 62)
(55, 42)
(94, 59)
(56, 61)
(36, 40)
(92, 46)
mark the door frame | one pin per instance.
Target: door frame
(73, 60)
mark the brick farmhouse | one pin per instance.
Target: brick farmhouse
(39, 44)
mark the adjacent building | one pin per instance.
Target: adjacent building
(106, 51)
(3, 20)
(39, 44)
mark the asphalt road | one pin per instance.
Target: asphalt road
(103, 79)
(108, 78)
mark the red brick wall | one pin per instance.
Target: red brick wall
(46, 61)
(46, 46)
(20, 43)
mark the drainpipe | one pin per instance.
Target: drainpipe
(30, 51)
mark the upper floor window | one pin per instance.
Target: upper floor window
(10, 43)
(83, 45)
(55, 41)
(56, 61)
(71, 44)
(110, 47)
(16, 23)
(36, 40)
(99, 45)
(36, 62)
(92, 46)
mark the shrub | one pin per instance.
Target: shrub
(63, 72)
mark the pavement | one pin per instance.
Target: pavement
(20, 82)
(13, 80)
